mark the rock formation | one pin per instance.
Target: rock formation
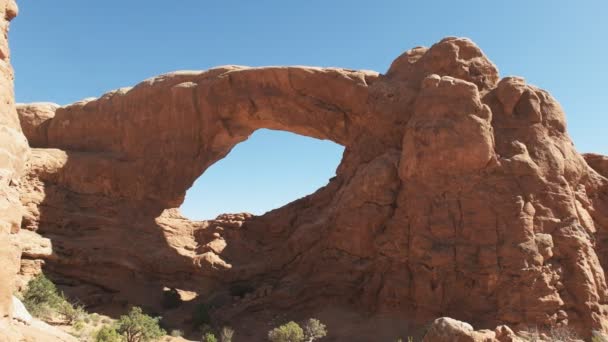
(13, 152)
(459, 194)
(450, 330)
(15, 322)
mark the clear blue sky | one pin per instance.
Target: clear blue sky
(71, 49)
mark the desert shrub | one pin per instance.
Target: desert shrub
(71, 313)
(290, 332)
(200, 316)
(597, 336)
(108, 334)
(171, 299)
(562, 333)
(41, 297)
(209, 337)
(78, 326)
(314, 329)
(43, 300)
(139, 327)
(226, 334)
(95, 318)
(531, 334)
(177, 333)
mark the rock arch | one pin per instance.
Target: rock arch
(459, 194)
(181, 123)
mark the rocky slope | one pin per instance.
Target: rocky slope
(459, 194)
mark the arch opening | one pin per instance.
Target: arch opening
(268, 170)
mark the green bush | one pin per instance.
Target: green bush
(108, 334)
(314, 329)
(43, 300)
(78, 326)
(200, 316)
(209, 337)
(139, 327)
(41, 297)
(290, 332)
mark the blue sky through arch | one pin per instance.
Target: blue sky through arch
(264, 172)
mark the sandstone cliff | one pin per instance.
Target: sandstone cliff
(459, 194)
(13, 152)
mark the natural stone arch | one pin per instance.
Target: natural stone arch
(181, 123)
(457, 195)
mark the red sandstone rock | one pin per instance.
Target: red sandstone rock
(459, 194)
(13, 153)
(450, 330)
(597, 162)
(34, 118)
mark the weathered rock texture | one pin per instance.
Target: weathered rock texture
(459, 194)
(450, 330)
(13, 153)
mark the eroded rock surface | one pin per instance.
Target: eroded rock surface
(459, 194)
(13, 153)
(15, 322)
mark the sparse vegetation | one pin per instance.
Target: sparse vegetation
(139, 327)
(553, 334)
(108, 334)
(409, 339)
(314, 330)
(42, 297)
(597, 336)
(78, 326)
(177, 333)
(71, 313)
(95, 318)
(209, 337)
(562, 333)
(43, 300)
(226, 334)
(290, 332)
